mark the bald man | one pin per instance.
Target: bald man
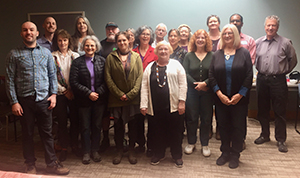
(49, 27)
(31, 86)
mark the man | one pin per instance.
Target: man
(160, 33)
(275, 57)
(246, 41)
(31, 87)
(109, 43)
(49, 26)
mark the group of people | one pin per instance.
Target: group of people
(133, 75)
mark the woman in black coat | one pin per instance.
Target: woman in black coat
(90, 91)
(230, 77)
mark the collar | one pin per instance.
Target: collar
(275, 38)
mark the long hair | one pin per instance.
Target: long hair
(236, 36)
(192, 44)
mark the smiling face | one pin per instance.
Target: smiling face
(173, 38)
(271, 28)
(163, 52)
(228, 37)
(200, 41)
(131, 35)
(111, 33)
(213, 23)
(89, 48)
(49, 25)
(123, 43)
(81, 26)
(145, 37)
(29, 34)
(62, 43)
(184, 33)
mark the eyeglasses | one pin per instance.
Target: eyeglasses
(229, 33)
(237, 21)
(145, 34)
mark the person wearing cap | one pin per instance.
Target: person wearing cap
(109, 43)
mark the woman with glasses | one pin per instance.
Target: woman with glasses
(230, 77)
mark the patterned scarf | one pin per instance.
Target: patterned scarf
(60, 77)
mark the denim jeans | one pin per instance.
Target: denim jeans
(91, 119)
(36, 112)
(198, 104)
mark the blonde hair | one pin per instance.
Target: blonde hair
(161, 44)
(236, 36)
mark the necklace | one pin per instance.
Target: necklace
(227, 55)
(157, 77)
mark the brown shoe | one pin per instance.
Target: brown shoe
(117, 159)
(57, 169)
(30, 169)
(218, 137)
(131, 157)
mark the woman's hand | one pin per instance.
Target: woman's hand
(144, 111)
(124, 98)
(235, 99)
(224, 99)
(181, 107)
(69, 94)
(201, 86)
(94, 96)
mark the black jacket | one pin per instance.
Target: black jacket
(241, 73)
(80, 81)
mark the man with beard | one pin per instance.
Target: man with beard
(109, 43)
(246, 41)
(31, 86)
(49, 26)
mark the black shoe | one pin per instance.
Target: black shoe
(234, 162)
(140, 149)
(282, 147)
(63, 155)
(96, 157)
(178, 163)
(149, 153)
(224, 158)
(30, 169)
(261, 140)
(86, 159)
(117, 159)
(104, 145)
(156, 160)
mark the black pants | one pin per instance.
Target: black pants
(272, 89)
(232, 121)
(119, 130)
(169, 128)
(140, 129)
(36, 112)
(66, 109)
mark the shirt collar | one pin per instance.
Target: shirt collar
(275, 38)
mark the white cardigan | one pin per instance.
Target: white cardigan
(176, 82)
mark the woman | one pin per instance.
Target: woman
(230, 76)
(199, 97)
(131, 33)
(82, 29)
(144, 37)
(90, 91)
(178, 52)
(163, 95)
(185, 35)
(213, 23)
(123, 75)
(63, 57)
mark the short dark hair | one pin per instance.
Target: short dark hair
(238, 15)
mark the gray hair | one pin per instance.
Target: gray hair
(140, 30)
(131, 30)
(273, 17)
(162, 25)
(91, 37)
